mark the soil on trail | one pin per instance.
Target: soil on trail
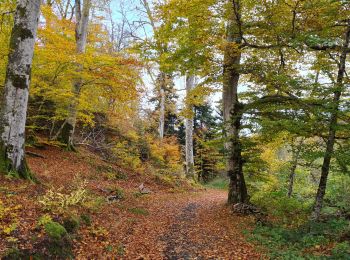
(190, 226)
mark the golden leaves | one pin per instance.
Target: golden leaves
(109, 79)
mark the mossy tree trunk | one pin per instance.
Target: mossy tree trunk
(232, 108)
(16, 93)
(82, 13)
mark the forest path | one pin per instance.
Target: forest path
(188, 226)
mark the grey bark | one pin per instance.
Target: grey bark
(162, 106)
(189, 131)
(339, 86)
(232, 109)
(82, 13)
(163, 76)
(14, 110)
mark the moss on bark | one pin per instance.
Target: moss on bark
(6, 167)
(66, 137)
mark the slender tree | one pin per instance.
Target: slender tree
(163, 77)
(14, 110)
(82, 13)
(162, 106)
(189, 130)
(338, 89)
(296, 150)
(183, 25)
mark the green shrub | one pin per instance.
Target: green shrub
(333, 228)
(59, 245)
(310, 240)
(338, 192)
(291, 243)
(55, 230)
(280, 243)
(286, 211)
(341, 251)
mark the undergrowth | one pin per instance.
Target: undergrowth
(310, 241)
(218, 183)
(290, 234)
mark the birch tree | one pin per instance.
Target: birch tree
(14, 109)
(82, 13)
(189, 129)
(163, 77)
(162, 112)
(184, 25)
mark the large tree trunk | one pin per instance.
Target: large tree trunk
(332, 127)
(189, 131)
(14, 110)
(231, 111)
(82, 13)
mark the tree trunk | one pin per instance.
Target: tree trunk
(162, 105)
(81, 31)
(189, 132)
(162, 48)
(14, 110)
(332, 128)
(291, 177)
(296, 152)
(231, 111)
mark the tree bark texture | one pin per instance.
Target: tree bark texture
(16, 93)
(231, 109)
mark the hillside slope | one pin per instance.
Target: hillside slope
(106, 214)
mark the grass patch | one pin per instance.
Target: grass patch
(218, 183)
(139, 211)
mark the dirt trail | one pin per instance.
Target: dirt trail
(188, 226)
(161, 225)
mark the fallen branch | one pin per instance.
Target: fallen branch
(35, 155)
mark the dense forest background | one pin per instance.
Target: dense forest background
(242, 95)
